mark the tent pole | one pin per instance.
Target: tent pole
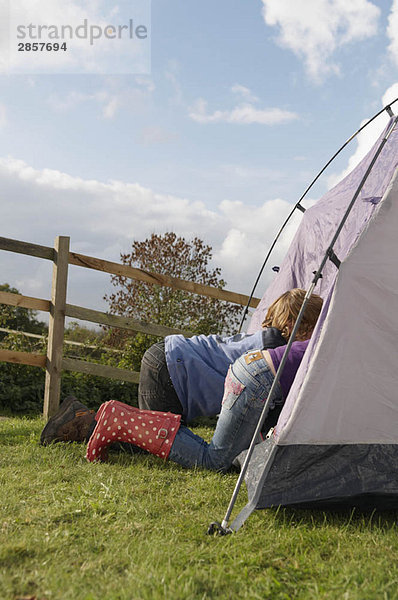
(266, 260)
(330, 252)
(386, 108)
(224, 527)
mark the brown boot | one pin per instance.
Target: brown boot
(117, 422)
(73, 422)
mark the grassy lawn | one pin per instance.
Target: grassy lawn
(134, 528)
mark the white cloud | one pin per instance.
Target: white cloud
(111, 107)
(85, 27)
(249, 234)
(244, 92)
(315, 29)
(242, 114)
(366, 139)
(390, 95)
(103, 218)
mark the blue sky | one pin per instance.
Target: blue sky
(244, 102)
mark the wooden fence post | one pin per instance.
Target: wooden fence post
(56, 326)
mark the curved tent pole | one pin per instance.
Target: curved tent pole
(298, 206)
(224, 527)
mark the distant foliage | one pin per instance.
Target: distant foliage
(169, 254)
(15, 317)
(83, 335)
(22, 387)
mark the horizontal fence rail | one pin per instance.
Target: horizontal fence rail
(37, 336)
(113, 268)
(85, 314)
(94, 316)
(73, 364)
(25, 248)
(25, 301)
(23, 358)
(54, 361)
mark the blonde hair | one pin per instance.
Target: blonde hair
(283, 313)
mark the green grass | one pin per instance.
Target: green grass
(135, 528)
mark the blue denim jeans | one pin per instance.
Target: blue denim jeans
(247, 386)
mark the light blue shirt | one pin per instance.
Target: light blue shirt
(198, 366)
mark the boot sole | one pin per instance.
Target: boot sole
(55, 421)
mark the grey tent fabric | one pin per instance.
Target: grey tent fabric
(320, 222)
(336, 440)
(349, 393)
(324, 476)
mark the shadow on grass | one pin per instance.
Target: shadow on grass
(337, 516)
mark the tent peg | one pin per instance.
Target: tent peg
(216, 528)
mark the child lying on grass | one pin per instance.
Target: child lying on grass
(247, 385)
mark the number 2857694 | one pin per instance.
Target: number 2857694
(41, 47)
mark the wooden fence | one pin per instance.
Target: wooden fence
(54, 361)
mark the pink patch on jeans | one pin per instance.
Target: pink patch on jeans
(232, 386)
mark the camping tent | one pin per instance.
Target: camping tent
(336, 440)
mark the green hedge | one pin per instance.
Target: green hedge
(22, 389)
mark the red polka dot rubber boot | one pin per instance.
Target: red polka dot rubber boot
(117, 422)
